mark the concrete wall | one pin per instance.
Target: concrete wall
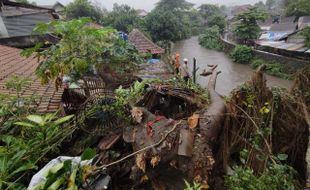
(293, 63)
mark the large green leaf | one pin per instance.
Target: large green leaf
(63, 119)
(25, 124)
(88, 154)
(25, 167)
(36, 119)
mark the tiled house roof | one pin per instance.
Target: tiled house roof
(143, 44)
(12, 63)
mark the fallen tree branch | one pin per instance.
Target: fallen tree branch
(141, 150)
(257, 128)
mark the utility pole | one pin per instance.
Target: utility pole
(194, 70)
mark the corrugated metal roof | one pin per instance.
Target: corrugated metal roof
(281, 27)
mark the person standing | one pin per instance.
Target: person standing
(184, 70)
(177, 63)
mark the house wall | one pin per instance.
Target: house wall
(3, 31)
(23, 25)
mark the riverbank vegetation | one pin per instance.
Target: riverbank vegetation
(273, 68)
(242, 54)
(211, 38)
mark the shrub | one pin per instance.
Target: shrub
(306, 34)
(242, 54)
(211, 38)
(277, 176)
(273, 68)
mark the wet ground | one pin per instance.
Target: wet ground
(232, 74)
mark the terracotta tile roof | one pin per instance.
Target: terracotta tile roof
(143, 44)
(11, 62)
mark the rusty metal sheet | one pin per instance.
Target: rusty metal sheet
(186, 143)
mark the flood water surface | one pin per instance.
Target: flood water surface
(232, 74)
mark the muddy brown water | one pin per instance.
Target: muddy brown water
(232, 74)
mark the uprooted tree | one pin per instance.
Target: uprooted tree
(259, 132)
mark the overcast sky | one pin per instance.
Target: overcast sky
(149, 4)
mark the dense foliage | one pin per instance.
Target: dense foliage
(211, 38)
(26, 138)
(167, 26)
(80, 50)
(169, 21)
(122, 17)
(242, 54)
(273, 68)
(217, 20)
(298, 8)
(246, 28)
(174, 5)
(306, 34)
(83, 8)
(277, 176)
(207, 10)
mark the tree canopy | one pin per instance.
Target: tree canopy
(80, 49)
(247, 28)
(83, 8)
(173, 5)
(217, 20)
(167, 26)
(298, 8)
(207, 10)
(122, 18)
(170, 20)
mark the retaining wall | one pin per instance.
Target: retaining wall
(289, 61)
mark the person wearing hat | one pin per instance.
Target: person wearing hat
(184, 70)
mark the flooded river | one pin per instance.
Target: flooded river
(232, 74)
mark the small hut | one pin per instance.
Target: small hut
(144, 44)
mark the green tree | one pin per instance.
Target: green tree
(260, 5)
(122, 18)
(80, 50)
(246, 28)
(298, 8)
(306, 34)
(167, 26)
(217, 20)
(83, 8)
(211, 38)
(207, 10)
(196, 21)
(172, 5)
